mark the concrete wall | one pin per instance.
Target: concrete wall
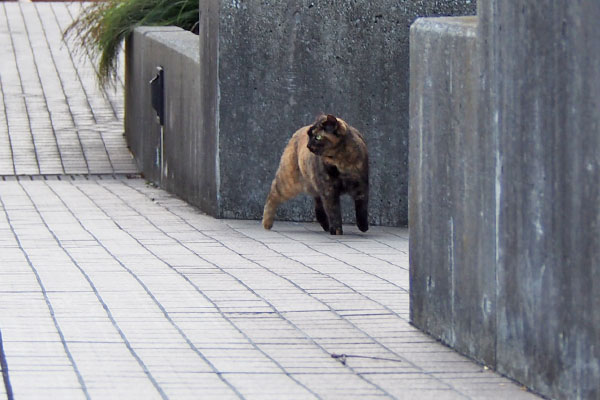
(451, 194)
(505, 234)
(188, 167)
(268, 69)
(271, 67)
(545, 90)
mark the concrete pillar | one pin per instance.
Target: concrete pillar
(542, 104)
(451, 196)
(505, 207)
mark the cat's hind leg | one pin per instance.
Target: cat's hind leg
(279, 193)
(273, 201)
(361, 208)
(321, 215)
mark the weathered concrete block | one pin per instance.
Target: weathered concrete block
(184, 162)
(271, 67)
(505, 190)
(543, 96)
(451, 195)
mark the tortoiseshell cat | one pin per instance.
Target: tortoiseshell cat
(325, 160)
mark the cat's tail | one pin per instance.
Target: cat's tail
(273, 201)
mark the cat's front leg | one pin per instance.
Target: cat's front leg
(334, 212)
(362, 213)
(321, 214)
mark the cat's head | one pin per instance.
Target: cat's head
(325, 134)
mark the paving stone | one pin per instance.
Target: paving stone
(200, 310)
(56, 119)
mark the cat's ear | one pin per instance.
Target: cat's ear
(331, 124)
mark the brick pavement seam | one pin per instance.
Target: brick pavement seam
(83, 88)
(14, 53)
(5, 374)
(62, 86)
(39, 78)
(342, 317)
(342, 242)
(450, 386)
(390, 311)
(335, 258)
(72, 177)
(6, 122)
(357, 292)
(360, 375)
(98, 296)
(89, 59)
(68, 7)
(85, 92)
(145, 287)
(48, 302)
(219, 310)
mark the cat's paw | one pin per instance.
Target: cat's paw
(336, 231)
(325, 226)
(363, 226)
(267, 224)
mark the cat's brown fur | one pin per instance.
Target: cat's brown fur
(325, 160)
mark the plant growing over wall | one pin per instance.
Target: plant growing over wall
(102, 26)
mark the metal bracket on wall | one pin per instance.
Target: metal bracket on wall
(157, 93)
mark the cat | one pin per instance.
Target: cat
(325, 160)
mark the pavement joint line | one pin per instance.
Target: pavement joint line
(330, 309)
(275, 310)
(62, 84)
(100, 299)
(39, 77)
(350, 322)
(317, 299)
(215, 305)
(48, 302)
(87, 96)
(73, 177)
(5, 373)
(85, 91)
(15, 59)
(119, 78)
(158, 304)
(6, 126)
(338, 259)
(341, 241)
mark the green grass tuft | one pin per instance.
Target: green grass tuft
(102, 27)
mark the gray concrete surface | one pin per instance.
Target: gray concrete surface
(546, 96)
(270, 68)
(451, 192)
(111, 288)
(505, 223)
(180, 157)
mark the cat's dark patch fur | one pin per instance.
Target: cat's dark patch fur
(325, 160)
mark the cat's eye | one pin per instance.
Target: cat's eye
(318, 137)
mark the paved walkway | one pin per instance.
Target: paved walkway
(113, 289)
(54, 119)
